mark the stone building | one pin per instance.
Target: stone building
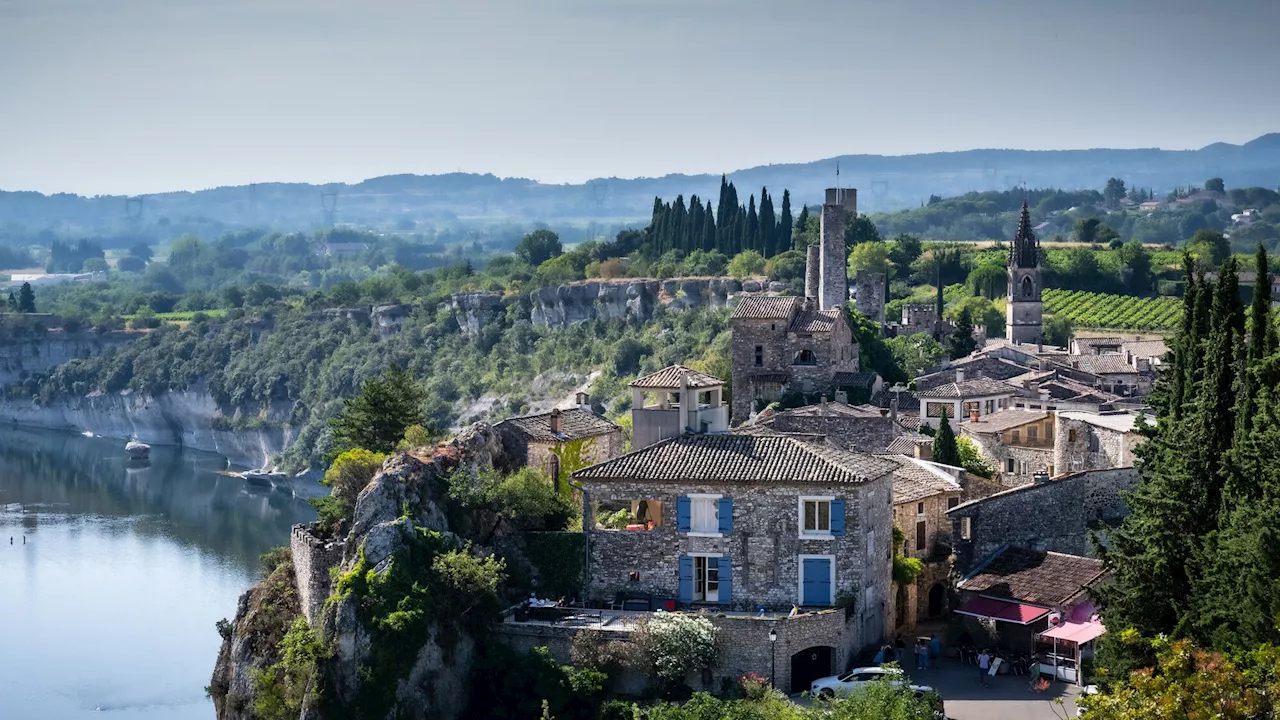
(744, 522)
(1024, 309)
(1015, 443)
(1110, 373)
(1049, 514)
(858, 429)
(548, 440)
(673, 401)
(922, 494)
(1088, 441)
(963, 399)
(839, 205)
(868, 293)
(784, 345)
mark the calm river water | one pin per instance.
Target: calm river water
(108, 609)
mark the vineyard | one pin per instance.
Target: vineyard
(1104, 310)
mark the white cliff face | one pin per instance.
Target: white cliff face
(24, 354)
(183, 418)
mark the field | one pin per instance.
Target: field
(1105, 310)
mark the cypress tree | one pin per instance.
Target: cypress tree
(1260, 309)
(708, 228)
(945, 450)
(962, 342)
(724, 221)
(785, 223)
(802, 221)
(692, 239)
(752, 239)
(739, 231)
(679, 218)
(768, 229)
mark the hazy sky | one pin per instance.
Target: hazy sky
(115, 96)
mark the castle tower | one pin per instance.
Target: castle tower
(812, 265)
(833, 290)
(1024, 310)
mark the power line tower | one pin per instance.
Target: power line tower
(329, 206)
(133, 214)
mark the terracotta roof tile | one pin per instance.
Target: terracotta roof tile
(914, 480)
(578, 423)
(810, 321)
(740, 458)
(977, 387)
(1004, 420)
(765, 307)
(669, 378)
(1048, 579)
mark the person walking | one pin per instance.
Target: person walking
(922, 655)
(984, 665)
(935, 650)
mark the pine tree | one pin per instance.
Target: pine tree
(26, 299)
(945, 450)
(785, 223)
(962, 342)
(13, 302)
(376, 418)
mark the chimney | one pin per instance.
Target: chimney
(959, 374)
(823, 406)
(812, 268)
(842, 397)
(973, 416)
(923, 452)
(893, 409)
(1039, 346)
(583, 400)
(1040, 477)
(1034, 387)
(557, 421)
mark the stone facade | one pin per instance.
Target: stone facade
(869, 290)
(812, 269)
(543, 455)
(838, 205)
(773, 357)
(1012, 453)
(1054, 515)
(764, 546)
(918, 319)
(1083, 445)
(312, 560)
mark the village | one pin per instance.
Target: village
(826, 537)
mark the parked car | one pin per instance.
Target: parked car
(857, 677)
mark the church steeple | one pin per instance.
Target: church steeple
(1025, 250)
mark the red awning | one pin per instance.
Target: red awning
(1075, 632)
(1002, 610)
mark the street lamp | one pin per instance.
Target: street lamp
(773, 654)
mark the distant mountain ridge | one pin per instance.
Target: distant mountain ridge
(884, 183)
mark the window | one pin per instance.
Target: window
(871, 544)
(991, 406)
(921, 533)
(706, 578)
(805, 357)
(919, 508)
(1022, 467)
(937, 410)
(952, 502)
(1071, 435)
(1017, 436)
(759, 355)
(966, 529)
(817, 580)
(1033, 433)
(704, 514)
(1009, 465)
(1026, 286)
(817, 515)
(971, 407)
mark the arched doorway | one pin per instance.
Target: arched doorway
(937, 600)
(809, 665)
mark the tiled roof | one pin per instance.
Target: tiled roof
(764, 307)
(1004, 420)
(992, 368)
(906, 400)
(915, 479)
(977, 387)
(740, 458)
(1100, 364)
(1042, 578)
(1153, 349)
(669, 378)
(810, 321)
(856, 379)
(831, 409)
(765, 429)
(1118, 422)
(906, 444)
(578, 423)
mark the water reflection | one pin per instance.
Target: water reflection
(111, 602)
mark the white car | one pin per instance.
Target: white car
(856, 678)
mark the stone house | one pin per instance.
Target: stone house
(922, 494)
(549, 440)
(786, 346)
(1112, 373)
(856, 428)
(1089, 441)
(744, 523)
(673, 401)
(1018, 594)
(964, 398)
(1015, 443)
(1049, 514)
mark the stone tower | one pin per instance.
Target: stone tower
(812, 264)
(833, 290)
(1024, 310)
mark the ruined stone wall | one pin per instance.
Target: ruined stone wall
(1094, 448)
(594, 450)
(312, 559)
(869, 290)
(1056, 515)
(763, 546)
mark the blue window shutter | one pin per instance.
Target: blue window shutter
(726, 515)
(816, 587)
(682, 514)
(726, 580)
(686, 579)
(837, 517)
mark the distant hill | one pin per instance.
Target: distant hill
(884, 183)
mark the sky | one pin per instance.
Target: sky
(140, 96)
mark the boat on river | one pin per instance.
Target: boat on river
(137, 450)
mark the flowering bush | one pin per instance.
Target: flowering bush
(753, 686)
(676, 644)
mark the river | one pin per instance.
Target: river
(116, 574)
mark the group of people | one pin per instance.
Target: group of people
(927, 650)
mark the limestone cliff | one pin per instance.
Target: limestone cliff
(428, 676)
(627, 297)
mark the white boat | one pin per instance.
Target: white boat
(137, 450)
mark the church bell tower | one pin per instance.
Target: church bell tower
(1024, 310)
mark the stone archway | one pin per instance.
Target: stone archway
(809, 665)
(937, 600)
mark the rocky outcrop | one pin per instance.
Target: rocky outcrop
(187, 418)
(564, 305)
(388, 319)
(23, 354)
(474, 310)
